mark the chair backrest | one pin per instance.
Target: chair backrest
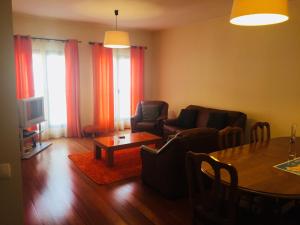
(173, 141)
(163, 107)
(214, 203)
(231, 137)
(264, 128)
(196, 140)
(203, 140)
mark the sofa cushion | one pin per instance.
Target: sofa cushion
(217, 120)
(150, 112)
(187, 118)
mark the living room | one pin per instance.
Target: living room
(196, 57)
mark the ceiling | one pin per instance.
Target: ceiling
(141, 14)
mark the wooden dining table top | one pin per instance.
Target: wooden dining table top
(255, 166)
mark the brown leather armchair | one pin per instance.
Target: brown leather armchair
(164, 169)
(149, 117)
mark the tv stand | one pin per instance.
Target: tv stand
(35, 146)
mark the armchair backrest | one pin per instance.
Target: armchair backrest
(163, 108)
(199, 139)
(171, 143)
(196, 140)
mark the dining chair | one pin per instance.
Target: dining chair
(264, 127)
(231, 137)
(213, 202)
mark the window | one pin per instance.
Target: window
(121, 62)
(49, 81)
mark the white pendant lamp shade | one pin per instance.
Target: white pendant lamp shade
(259, 12)
(116, 39)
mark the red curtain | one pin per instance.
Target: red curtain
(72, 88)
(103, 87)
(23, 62)
(137, 76)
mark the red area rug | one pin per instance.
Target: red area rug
(127, 163)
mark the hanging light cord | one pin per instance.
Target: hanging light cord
(116, 13)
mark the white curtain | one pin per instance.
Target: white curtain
(49, 82)
(121, 62)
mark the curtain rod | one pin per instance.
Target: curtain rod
(135, 46)
(46, 39)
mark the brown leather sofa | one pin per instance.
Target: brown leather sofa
(164, 169)
(233, 118)
(154, 122)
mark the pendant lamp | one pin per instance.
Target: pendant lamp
(116, 39)
(259, 12)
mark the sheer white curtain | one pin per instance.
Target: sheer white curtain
(121, 62)
(49, 81)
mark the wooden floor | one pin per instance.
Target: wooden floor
(56, 192)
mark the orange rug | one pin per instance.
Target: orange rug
(127, 163)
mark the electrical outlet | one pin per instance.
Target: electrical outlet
(5, 171)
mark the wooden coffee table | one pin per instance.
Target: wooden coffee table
(122, 141)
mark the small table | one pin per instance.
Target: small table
(122, 141)
(255, 166)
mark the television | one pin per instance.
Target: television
(31, 111)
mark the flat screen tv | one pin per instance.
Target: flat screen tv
(31, 111)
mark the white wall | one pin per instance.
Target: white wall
(10, 189)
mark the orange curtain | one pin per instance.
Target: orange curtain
(137, 76)
(23, 62)
(103, 87)
(72, 88)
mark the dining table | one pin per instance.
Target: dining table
(255, 164)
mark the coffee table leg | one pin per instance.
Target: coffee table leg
(110, 157)
(97, 151)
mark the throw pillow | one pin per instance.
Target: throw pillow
(217, 120)
(187, 118)
(150, 112)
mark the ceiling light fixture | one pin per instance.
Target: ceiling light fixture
(259, 12)
(116, 39)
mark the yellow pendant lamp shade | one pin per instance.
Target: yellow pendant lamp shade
(259, 12)
(116, 39)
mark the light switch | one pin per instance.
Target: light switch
(5, 171)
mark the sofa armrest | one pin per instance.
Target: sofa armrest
(224, 131)
(196, 131)
(159, 122)
(161, 118)
(171, 122)
(136, 118)
(133, 121)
